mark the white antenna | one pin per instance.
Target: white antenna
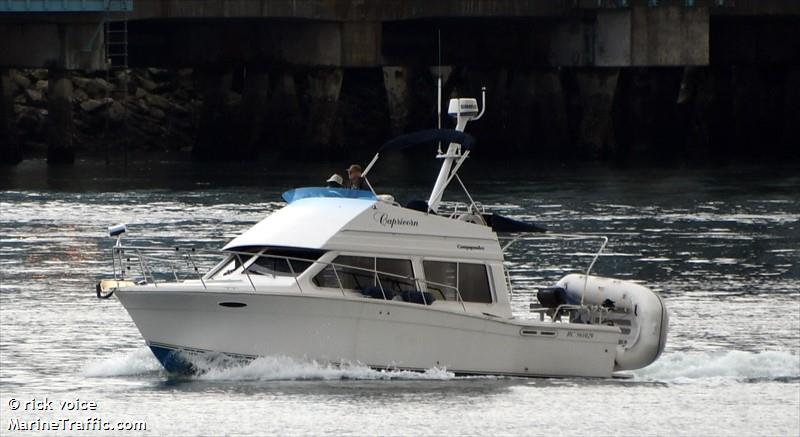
(439, 89)
(439, 107)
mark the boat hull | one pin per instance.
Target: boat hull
(377, 333)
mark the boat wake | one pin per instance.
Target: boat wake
(274, 368)
(688, 367)
(139, 361)
(676, 367)
(281, 368)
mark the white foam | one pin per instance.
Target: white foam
(136, 362)
(734, 364)
(274, 368)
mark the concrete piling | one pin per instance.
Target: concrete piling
(396, 83)
(596, 87)
(284, 122)
(253, 110)
(324, 86)
(59, 119)
(10, 152)
(214, 129)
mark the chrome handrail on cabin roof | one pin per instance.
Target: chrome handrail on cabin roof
(120, 252)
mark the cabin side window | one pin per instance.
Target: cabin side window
(471, 280)
(395, 273)
(358, 273)
(442, 278)
(473, 283)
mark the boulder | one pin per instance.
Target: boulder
(180, 110)
(39, 74)
(157, 101)
(20, 79)
(80, 82)
(116, 112)
(141, 93)
(142, 106)
(92, 105)
(34, 97)
(98, 88)
(121, 76)
(41, 86)
(159, 73)
(157, 113)
(147, 84)
(79, 95)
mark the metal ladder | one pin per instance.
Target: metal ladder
(116, 38)
(115, 29)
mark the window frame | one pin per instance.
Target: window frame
(247, 261)
(487, 269)
(415, 277)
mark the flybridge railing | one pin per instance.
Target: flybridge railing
(126, 260)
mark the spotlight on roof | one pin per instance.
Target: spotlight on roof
(117, 230)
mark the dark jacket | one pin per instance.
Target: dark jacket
(359, 184)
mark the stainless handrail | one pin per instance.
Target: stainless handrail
(144, 266)
(568, 237)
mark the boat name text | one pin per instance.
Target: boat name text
(469, 247)
(580, 334)
(390, 222)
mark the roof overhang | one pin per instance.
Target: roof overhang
(307, 223)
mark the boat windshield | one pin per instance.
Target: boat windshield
(343, 193)
(268, 262)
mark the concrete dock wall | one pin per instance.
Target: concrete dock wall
(234, 79)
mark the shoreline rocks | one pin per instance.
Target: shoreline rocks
(133, 110)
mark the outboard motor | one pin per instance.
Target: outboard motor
(552, 297)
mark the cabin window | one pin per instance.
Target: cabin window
(394, 274)
(473, 283)
(358, 273)
(471, 280)
(276, 262)
(442, 278)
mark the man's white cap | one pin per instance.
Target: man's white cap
(335, 178)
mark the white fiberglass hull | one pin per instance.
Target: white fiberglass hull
(382, 334)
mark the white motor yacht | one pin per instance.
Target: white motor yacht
(351, 276)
